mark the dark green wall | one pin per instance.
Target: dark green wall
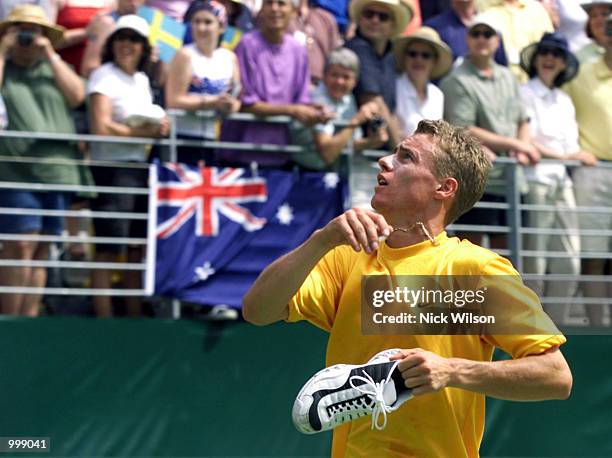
(163, 388)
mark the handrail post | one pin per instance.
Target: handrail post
(513, 214)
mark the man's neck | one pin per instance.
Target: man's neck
(379, 45)
(273, 36)
(411, 234)
(484, 64)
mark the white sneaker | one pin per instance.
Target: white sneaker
(344, 392)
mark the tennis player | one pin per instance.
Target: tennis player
(431, 178)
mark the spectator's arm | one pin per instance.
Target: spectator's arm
(497, 143)
(7, 41)
(97, 31)
(101, 121)
(69, 83)
(177, 86)
(72, 37)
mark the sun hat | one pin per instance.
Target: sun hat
(483, 19)
(402, 11)
(444, 55)
(590, 4)
(551, 40)
(33, 14)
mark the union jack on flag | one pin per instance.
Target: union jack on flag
(218, 228)
(204, 193)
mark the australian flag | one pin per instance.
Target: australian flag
(218, 228)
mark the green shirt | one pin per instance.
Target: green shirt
(34, 103)
(492, 103)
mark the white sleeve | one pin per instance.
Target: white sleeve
(102, 82)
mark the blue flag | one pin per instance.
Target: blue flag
(219, 228)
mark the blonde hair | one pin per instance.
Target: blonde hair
(459, 155)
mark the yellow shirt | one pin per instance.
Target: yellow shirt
(520, 26)
(449, 423)
(591, 92)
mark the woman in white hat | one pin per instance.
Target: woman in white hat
(121, 104)
(38, 89)
(420, 57)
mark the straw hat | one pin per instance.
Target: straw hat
(590, 4)
(33, 14)
(551, 40)
(444, 60)
(402, 11)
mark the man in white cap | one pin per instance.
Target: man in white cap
(377, 23)
(485, 97)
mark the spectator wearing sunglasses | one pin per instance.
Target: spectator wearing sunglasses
(452, 26)
(420, 57)
(377, 23)
(552, 122)
(520, 23)
(121, 104)
(485, 97)
(591, 92)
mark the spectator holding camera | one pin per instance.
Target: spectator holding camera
(121, 104)
(377, 23)
(38, 89)
(420, 57)
(203, 76)
(591, 93)
(323, 143)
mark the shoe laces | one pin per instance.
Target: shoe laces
(376, 391)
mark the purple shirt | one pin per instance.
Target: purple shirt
(271, 73)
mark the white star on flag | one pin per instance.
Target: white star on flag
(203, 272)
(285, 214)
(331, 180)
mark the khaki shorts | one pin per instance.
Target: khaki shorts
(593, 188)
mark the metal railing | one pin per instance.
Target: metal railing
(515, 230)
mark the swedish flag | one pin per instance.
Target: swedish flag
(165, 32)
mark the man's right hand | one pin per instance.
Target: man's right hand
(9, 39)
(366, 112)
(526, 153)
(308, 114)
(358, 228)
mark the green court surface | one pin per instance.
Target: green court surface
(150, 387)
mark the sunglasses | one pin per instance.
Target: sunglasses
(129, 36)
(422, 54)
(371, 14)
(481, 33)
(555, 52)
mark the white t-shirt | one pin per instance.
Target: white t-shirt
(128, 94)
(409, 108)
(210, 76)
(552, 123)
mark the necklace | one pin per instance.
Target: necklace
(433, 241)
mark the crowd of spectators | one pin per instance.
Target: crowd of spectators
(530, 79)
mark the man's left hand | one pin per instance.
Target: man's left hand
(423, 371)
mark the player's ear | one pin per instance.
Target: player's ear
(446, 187)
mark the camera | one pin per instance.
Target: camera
(25, 38)
(377, 122)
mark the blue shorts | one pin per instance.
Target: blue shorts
(18, 224)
